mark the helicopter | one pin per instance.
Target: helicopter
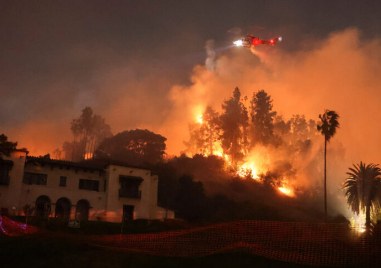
(252, 41)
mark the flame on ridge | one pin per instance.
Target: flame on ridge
(256, 163)
(248, 169)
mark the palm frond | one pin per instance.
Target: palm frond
(363, 186)
(328, 124)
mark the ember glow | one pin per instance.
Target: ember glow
(199, 119)
(248, 170)
(357, 222)
(286, 190)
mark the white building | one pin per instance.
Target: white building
(56, 188)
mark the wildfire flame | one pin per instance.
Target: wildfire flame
(199, 119)
(256, 162)
(248, 170)
(358, 222)
(286, 191)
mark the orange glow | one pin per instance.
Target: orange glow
(219, 152)
(287, 191)
(248, 169)
(358, 222)
(257, 162)
(88, 155)
(199, 119)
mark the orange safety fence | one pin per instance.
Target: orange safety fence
(294, 242)
(9, 227)
(317, 244)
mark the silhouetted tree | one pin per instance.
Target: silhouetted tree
(262, 118)
(134, 147)
(281, 131)
(327, 127)
(6, 147)
(363, 188)
(167, 185)
(234, 124)
(88, 131)
(57, 153)
(205, 135)
(190, 200)
(301, 133)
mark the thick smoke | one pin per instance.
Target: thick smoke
(340, 73)
(210, 55)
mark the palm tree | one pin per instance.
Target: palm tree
(327, 126)
(362, 189)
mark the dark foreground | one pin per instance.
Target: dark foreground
(234, 244)
(37, 251)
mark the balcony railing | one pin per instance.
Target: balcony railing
(127, 193)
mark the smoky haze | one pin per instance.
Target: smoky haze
(340, 72)
(140, 64)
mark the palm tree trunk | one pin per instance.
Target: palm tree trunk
(367, 217)
(325, 178)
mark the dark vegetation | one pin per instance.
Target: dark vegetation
(210, 194)
(6, 146)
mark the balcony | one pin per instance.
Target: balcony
(130, 193)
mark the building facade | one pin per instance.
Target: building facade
(109, 191)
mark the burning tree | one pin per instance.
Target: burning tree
(255, 155)
(234, 125)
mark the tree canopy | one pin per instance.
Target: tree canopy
(88, 131)
(328, 124)
(234, 124)
(363, 188)
(6, 147)
(134, 147)
(262, 118)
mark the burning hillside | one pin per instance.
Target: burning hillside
(256, 143)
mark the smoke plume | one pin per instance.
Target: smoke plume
(340, 73)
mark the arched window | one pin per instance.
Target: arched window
(63, 206)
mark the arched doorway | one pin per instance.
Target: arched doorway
(63, 206)
(82, 210)
(43, 206)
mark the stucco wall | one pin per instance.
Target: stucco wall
(10, 195)
(105, 204)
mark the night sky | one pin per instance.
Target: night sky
(128, 60)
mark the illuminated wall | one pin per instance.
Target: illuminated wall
(113, 191)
